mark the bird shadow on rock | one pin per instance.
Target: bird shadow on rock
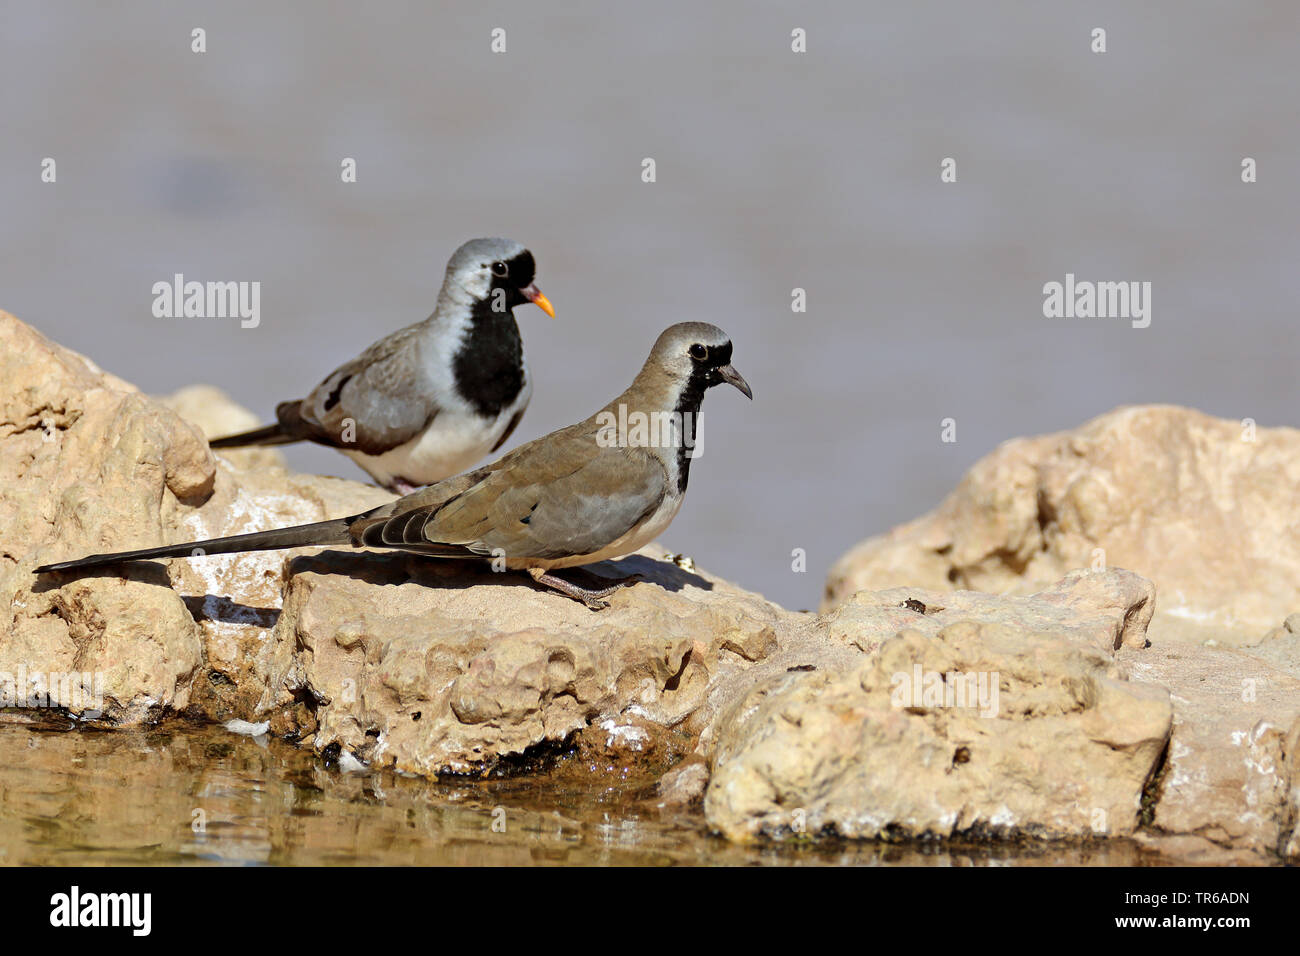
(664, 574)
(395, 567)
(148, 572)
(449, 573)
(215, 607)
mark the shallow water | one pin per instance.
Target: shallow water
(202, 795)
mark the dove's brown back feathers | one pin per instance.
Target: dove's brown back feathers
(565, 494)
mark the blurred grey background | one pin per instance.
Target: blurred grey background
(775, 170)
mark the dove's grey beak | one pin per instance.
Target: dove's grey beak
(534, 295)
(732, 377)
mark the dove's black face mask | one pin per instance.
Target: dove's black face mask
(712, 366)
(520, 272)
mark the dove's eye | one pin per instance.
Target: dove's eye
(698, 351)
(500, 269)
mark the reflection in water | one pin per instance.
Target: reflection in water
(203, 795)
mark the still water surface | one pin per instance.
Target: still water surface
(201, 795)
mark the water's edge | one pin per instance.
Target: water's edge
(182, 794)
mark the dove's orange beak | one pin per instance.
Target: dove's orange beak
(534, 295)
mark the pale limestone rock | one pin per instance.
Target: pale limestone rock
(84, 459)
(446, 667)
(1064, 749)
(88, 463)
(1230, 774)
(1201, 506)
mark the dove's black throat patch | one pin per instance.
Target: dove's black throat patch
(489, 368)
(688, 412)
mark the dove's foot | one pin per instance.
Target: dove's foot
(588, 596)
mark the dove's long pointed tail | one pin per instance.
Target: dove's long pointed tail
(300, 536)
(270, 435)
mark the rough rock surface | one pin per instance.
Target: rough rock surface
(88, 463)
(979, 716)
(737, 706)
(441, 667)
(1231, 776)
(1204, 507)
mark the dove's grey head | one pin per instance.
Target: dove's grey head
(500, 269)
(689, 358)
